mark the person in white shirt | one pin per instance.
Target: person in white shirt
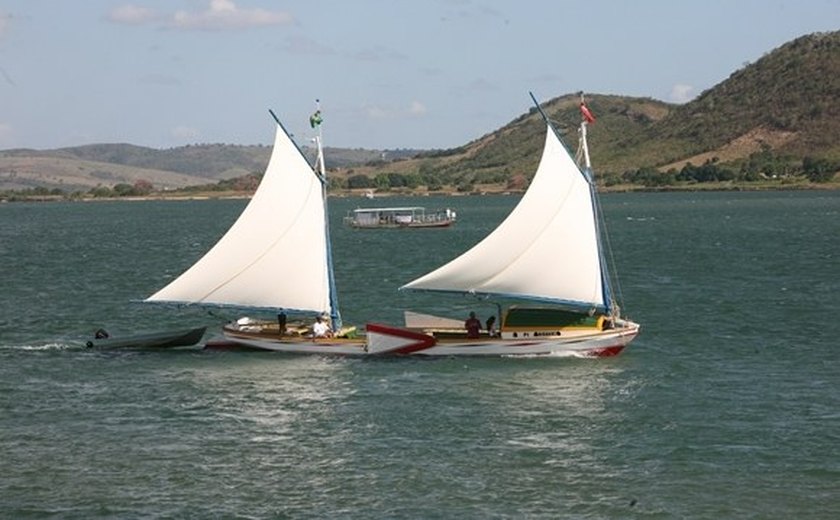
(320, 329)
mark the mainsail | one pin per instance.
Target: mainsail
(276, 255)
(547, 249)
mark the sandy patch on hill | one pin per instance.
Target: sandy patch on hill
(738, 148)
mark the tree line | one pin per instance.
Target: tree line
(759, 166)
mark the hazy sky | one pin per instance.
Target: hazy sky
(389, 73)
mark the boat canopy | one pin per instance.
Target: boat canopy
(389, 210)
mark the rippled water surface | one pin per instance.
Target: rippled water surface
(726, 406)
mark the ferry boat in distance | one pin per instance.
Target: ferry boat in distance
(395, 218)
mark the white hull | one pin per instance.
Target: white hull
(392, 341)
(381, 340)
(603, 344)
(313, 346)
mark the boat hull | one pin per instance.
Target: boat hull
(384, 340)
(597, 344)
(601, 344)
(439, 224)
(319, 346)
(161, 339)
(381, 340)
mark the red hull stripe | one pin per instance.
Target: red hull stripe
(416, 340)
(607, 351)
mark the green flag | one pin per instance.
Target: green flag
(315, 119)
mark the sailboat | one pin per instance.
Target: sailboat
(277, 258)
(547, 252)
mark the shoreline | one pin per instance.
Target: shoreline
(489, 190)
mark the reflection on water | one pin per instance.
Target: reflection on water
(271, 399)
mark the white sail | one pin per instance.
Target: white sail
(547, 249)
(275, 255)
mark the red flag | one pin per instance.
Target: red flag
(587, 115)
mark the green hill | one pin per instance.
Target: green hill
(789, 99)
(786, 105)
(514, 149)
(779, 115)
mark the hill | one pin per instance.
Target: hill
(785, 106)
(89, 166)
(789, 100)
(775, 116)
(511, 152)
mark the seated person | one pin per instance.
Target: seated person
(320, 329)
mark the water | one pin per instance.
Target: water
(726, 406)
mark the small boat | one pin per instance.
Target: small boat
(159, 339)
(398, 218)
(548, 251)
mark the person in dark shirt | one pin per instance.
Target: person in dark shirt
(473, 325)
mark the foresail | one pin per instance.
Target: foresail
(546, 249)
(275, 255)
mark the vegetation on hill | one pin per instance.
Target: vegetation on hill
(791, 91)
(775, 122)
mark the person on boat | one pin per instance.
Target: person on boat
(491, 326)
(281, 323)
(473, 325)
(320, 329)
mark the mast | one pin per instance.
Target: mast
(321, 170)
(583, 144)
(586, 172)
(586, 117)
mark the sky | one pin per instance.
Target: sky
(417, 74)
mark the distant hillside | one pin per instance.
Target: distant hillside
(89, 166)
(766, 118)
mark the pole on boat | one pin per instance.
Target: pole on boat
(585, 116)
(277, 119)
(319, 138)
(321, 169)
(586, 172)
